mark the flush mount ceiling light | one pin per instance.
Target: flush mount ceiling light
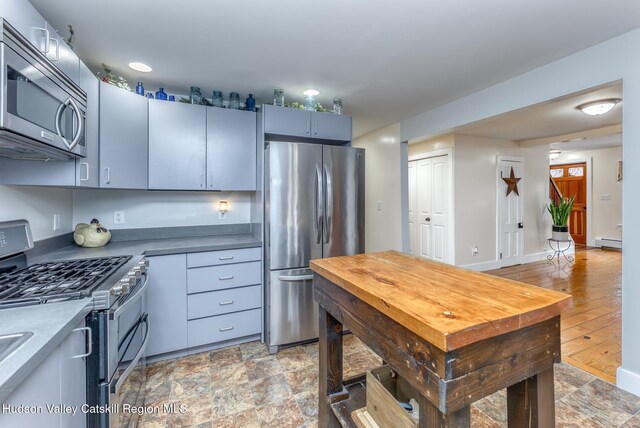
(553, 154)
(311, 92)
(596, 108)
(140, 66)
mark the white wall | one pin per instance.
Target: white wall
(606, 214)
(159, 209)
(600, 64)
(37, 205)
(383, 182)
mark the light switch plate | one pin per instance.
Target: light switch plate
(56, 222)
(605, 197)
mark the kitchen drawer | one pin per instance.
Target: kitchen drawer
(222, 302)
(225, 257)
(204, 331)
(212, 278)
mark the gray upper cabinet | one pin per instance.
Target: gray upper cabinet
(87, 168)
(330, 126)
(167, 304)
(123, 138)
(286, 121)
(62, 56)
(177, 146)
(291, 122)
(231, 149)
(25, 18)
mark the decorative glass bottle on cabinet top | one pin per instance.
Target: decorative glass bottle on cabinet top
(196, 95)
(216, 99)
(278, 97)
(250, 103)
(337, 105)
(234, 101)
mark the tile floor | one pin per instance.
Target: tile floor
(243, 386)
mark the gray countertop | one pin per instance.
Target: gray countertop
(52, 322)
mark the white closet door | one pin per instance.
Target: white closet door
(510, 207)
(412, 207)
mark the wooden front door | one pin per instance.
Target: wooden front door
(571, 180)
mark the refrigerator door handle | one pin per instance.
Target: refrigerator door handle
(317, 222)
(328, 204)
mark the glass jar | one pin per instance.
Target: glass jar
(161, 94)
(217, 99)
(140, 89)
(234, 101)
(337, 105)
(196, 95)
(278, 97)
(310, 103)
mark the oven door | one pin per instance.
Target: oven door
(36, 107)
(128, 338)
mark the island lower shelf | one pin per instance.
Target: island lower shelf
(356, 387)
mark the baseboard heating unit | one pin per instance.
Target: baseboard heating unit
(608, 243)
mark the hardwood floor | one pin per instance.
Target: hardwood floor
(592, 329)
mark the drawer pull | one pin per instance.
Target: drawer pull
(226, 258)
(225, 278)
(226, 328)
(230, 302)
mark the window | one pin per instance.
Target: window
(576, 172)
(557, 173)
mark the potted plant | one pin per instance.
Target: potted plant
(560, 211)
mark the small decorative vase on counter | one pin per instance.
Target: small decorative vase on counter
(140, 89)
(217, 99)
(196, 95)
(337, 105)
(278, 97)
(250, 103)
(234, 101)
(560, 233)
(161, 94)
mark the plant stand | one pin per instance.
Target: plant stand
(560, 247)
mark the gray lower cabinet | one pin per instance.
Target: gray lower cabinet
(81, 172)
(290, 122)
(231, 149)
(123, 138)
(59, 379)
(177, 146)
(167, 304)
(203, 298)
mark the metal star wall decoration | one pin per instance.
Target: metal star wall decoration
(512, 183)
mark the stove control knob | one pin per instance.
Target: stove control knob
(135, 272)
(144, 262)
(142, 266)
(117, 289)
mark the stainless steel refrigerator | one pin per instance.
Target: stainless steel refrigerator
(314, 208)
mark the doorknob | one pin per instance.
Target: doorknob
(427, 219)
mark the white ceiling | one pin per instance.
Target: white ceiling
(555, 117)
(388, 60)
(604, 142)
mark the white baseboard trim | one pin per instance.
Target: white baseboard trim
(482, 266)
(628, 380)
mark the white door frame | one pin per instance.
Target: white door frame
(591, 240)
(521, 191)
(451, 232)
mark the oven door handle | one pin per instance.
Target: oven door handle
(132, 299)
(134, 362)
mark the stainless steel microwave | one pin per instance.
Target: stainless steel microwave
(42, 111)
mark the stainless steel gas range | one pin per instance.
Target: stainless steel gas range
(118, 327)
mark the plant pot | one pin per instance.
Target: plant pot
(560, 233)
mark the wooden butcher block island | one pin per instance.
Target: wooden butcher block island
(454, 335)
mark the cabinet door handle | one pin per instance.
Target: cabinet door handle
(107, 176)
(47, 39)
(57, 49)
(88, 341)
(225, 278)
(308, 127)
(226, 328)
(315, 128)
(226, 258)
(84, 166)
(230, 302)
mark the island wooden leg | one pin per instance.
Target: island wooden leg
(531, 403)
(330, 380)
(432, 417)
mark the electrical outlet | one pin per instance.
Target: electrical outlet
(56, 222)
(118, 217)
(222, 215)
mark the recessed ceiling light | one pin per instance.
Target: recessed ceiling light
(311, 92)
(140, 66)
(596, 108)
